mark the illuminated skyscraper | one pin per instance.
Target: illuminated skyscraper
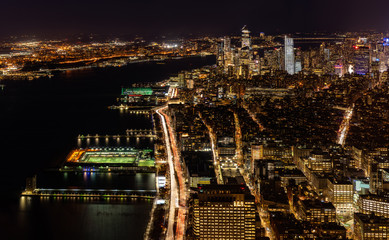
(246, 40)
(223, 212)
(289, 55)
(361, 60)
(245, 54)
(339, 69)
(227, 53)
(227, 44)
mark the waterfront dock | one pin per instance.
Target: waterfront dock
(138, 133)
(97, 194)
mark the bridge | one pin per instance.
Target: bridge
(98, 194)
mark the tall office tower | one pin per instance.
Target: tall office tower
(227, 53)
(227, 44)
(223, 212)
(327, 54)
(289, 55)
(376, 179)
(181, 80)
(384, 55)
(375, 70)
(298, 66)
(245, 54)
(339, 70)
(246, 40)
(340, 194)
(220, 55)
(361, 60)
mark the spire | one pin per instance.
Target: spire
(245, 30)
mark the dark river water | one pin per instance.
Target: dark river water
(39, 123)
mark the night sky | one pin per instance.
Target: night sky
(146, 17)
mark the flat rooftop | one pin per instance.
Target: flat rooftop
(112, 156)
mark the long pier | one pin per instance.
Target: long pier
(139, 133)
(92, 193)
(132, 110)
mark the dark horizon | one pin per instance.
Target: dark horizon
(47, 18)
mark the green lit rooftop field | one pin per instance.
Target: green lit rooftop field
(101, 159)
(115, 156)
(110, 157)
(146, 163)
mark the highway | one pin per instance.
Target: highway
(173, 184)
(179, 197)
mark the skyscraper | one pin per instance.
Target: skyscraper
(246, 40)
(223, 212)
(289, 55)
(227, 53)
(361, 60)
(227, 44)
(245, 54)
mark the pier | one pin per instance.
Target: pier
(132, 110)
(146, 133)
(98, 194)
(138, 133)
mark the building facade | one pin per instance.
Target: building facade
(223, 212)
(370, 227)
(289, 55)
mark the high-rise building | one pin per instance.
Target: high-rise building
(223, 212)
(227, 53)
(339, 68)
(377, 204)
(298, 66)
(220, 55)
(361, 60)
(227, 44)
(289, 55)
(340, 194)
(245, 54)
(376, 178)
(370, 227)
(246, 40)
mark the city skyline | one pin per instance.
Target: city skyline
(195, 121)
